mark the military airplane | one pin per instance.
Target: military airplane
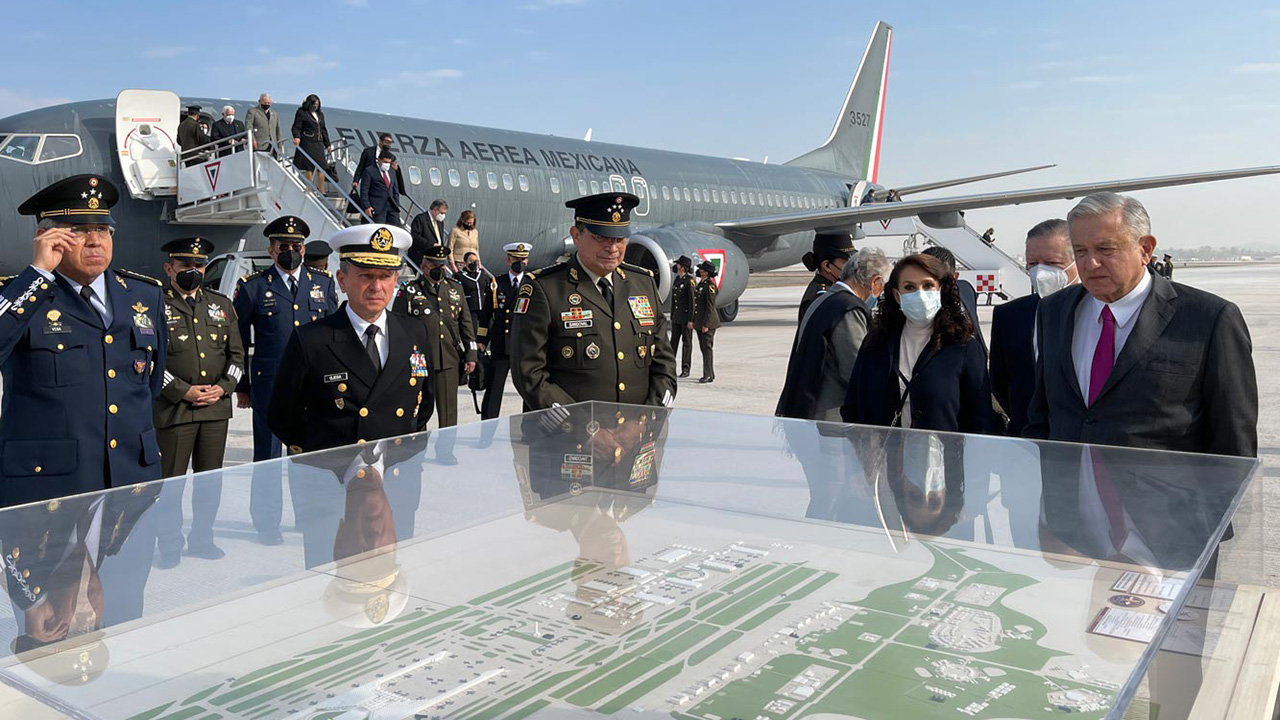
(744, 216)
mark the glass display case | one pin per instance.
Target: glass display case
(601, 559)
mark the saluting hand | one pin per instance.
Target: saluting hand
(49, 247)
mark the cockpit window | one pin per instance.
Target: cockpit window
(21, 148)
(57, 147)
(31, 150)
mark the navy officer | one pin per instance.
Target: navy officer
(82, 354)
(272, 303)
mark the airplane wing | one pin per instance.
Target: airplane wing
(938, 185)
(846, 218)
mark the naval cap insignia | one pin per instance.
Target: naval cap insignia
(381, 240)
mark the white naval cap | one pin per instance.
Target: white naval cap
(518, 249)
(374, 246)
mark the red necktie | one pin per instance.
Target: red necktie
(386, 179)
(1104, 355)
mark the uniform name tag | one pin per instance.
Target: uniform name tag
(336, 377)
(417, 365)
(641, 309)
(317, 293)
(577, 318)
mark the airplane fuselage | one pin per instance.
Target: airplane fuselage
(516, 183)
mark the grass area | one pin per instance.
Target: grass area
(714, 647)
(513, 587)
(613, 682)
(747, 698)
(642, 689)
(845, 636)
(746, 603)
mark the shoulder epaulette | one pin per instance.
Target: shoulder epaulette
(6, 280)
(253, 275)
(139, 276)
(325, 273)
(558, 267)
(637, 268)
(215, 292)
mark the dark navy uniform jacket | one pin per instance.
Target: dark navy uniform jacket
(263, 303)
(76, 413)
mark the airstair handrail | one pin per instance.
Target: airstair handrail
(339, 218)
(215, 145)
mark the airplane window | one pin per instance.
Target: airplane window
(415, 175)
(507, 183)
(57, 147)
(435, 177)
(555, 185)
(715, 195)
(21, 148)
(473, 178)
(582, 186)
(454, 178)
(793, 201)
(686, 194)
(492, 179)
(595, 187)
(524, 183)
(666, 193)
(733, 195)
(697, 195)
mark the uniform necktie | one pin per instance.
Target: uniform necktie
(293, 286)
(191, 301)
(606, 290)
(87, 293)
(1104, 355)
(371, 347)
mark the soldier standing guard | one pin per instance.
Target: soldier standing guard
(441, 305)
(82, 354)
(592, 328)
(272, 304)
(362, 373)
(706, 318)
(498, 341)
(682, 312)
(205, 362)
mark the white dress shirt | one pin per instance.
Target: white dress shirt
(296, 275)
(360, 324)
(595, 279)
(1088, 327)
(515, 279)
(99, 286)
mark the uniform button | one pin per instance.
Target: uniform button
(26, 573)
(621, 356)
(113, 443)
(39, 469)
(399, 412)
(44, 286)
(361, 473)
(20, 311)
(269, 313)
(295, 307)
(201, 356)
(617, 326)
(199, 337)
(14, 553)
(361, 441)
(413, 381)
(113, 409)
(617, 453)
(60, 346)
(108, 339)
(197, 320)
(35, 590)
(32, 298)
(622, 386)
(364, 412)
(203, 373)
(295, 322)
(342, 387)
(579, 334)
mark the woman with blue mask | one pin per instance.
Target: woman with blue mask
(921, 366)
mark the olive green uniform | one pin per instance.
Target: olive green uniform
(443, 308)
(204, 348)
(681, 316)
(569, 345)
(706, 316)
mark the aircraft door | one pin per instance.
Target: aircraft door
(641, 190)
(146, 141)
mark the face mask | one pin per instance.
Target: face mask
(265, 106)
(440, 217)
(473, 266)
(385, 166)
(921, 306)
(230, 119)
(189, 279)
(289, 260)
(517, 267)
(436, 273)
(1049, 279)
(872, 301)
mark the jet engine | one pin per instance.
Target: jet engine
(658, 248)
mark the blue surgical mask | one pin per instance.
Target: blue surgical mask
(921, 306)
(872, 301)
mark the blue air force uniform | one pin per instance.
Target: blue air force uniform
(80, 375)
(266, 305)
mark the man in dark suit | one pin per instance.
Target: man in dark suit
(82, 351)
(428, 228)
(225, 129)
(362, 373)
(380, 191)
(1013, 362)
(368, 159)
(968, 294)
(498, 338)
(1133, 359)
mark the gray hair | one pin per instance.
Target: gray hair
(1132, 214)
(864, 266)
(227, 109)
(438, 203)
(46, 224)
(264, 96)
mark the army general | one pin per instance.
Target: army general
(82, 353)
(592, 328)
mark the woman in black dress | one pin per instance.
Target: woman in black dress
(312, 136)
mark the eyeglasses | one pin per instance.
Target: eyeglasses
(289, 246)
(81, 232)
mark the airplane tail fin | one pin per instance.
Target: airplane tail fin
(853, 148)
